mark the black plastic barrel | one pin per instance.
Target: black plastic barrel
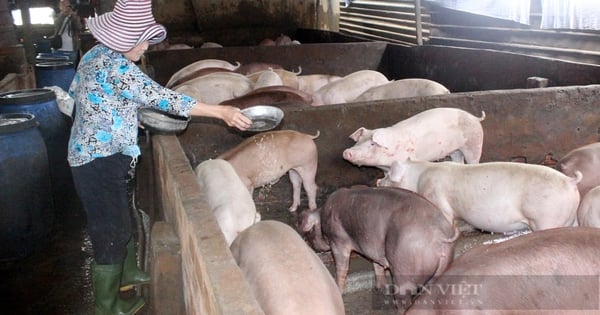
(26, 205)
(55, 128)
(54, 73)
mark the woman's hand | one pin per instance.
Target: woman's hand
(231, 115)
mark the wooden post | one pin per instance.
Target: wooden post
(419, 26)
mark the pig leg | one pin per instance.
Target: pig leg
(341, 255)
(310, 187)
(457, 157)
(296, 181)
(410, 264)
(308, 175)
(311, 193)
(380, 279)
(472, 150)
(405, 288)
(301, 177)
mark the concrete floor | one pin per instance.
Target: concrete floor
(55, 278)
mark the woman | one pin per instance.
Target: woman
(108, 90)
(68, 26)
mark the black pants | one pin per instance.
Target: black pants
(102, 188)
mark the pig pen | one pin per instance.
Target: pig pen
(189, 257)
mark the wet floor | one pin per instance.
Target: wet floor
(55, 278)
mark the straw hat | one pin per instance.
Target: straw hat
(129, 24)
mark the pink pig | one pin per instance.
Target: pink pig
(285, 275)
(263, 158)
(585, 159)
(430, 135)
(588, 213)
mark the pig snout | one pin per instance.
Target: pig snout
(353, 156)
(347, 154)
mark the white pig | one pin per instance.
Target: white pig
(288, 78)
(227, 197)
(348, 88)
(493, 196)
(215, 87)
(267, 78)
(585, 159)
(588, 213)
(311, 83)
(201, 64)
(401, 89)
(285, 275)
(430, 135)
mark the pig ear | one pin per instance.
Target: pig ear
(356, 135)
(382, 138)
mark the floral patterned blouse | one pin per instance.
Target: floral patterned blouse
(108, 90)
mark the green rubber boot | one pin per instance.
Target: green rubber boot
(106, 279)
(132, 275)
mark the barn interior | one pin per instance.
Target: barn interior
(486, 63)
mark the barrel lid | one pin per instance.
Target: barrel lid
(54, 65)
(52, 57)
(39, 60)
(13, 122)
(30, 96)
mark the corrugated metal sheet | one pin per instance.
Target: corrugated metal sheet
(462, 29)
(387, 20)
(397, 21)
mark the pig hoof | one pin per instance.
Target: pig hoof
(292, 209)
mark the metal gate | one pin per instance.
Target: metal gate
(403, 22)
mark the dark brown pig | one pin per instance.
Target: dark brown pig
(585, 159)
(271, 95)
(553, 271)
(263, 158)
(395, 228)
(285, 275)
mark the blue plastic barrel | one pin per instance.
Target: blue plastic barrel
(54, 73)
(43, 45)
(55, 128)
(26, 205)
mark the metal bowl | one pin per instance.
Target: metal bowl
(162, 122)
(264, 117)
